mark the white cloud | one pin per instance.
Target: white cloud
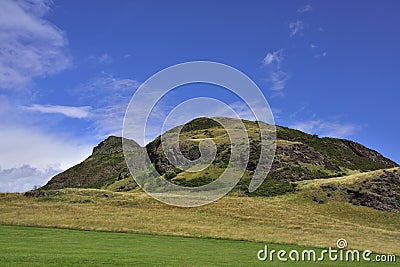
(277, 76)
(24, 178)
(306, 8)
(313, 46)
(69, 111)
(30, 156)
(27, 145)
(326, 128)
(273, 57)
(30, 45)
(296, 27)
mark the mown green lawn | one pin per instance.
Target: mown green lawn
(33, 246)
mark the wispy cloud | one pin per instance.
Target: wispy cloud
(107, 88)
(108, 120)
(30, 45)
(109, 97)
(69, 111)
(295, 27)
(278, 77)
(326, 128)
(273, 57)
(306, 8)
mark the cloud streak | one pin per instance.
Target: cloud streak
(68, 111)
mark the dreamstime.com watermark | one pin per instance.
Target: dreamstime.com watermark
(340, 253)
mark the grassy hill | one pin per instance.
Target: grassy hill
(299, 156)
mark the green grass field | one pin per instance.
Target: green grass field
(33, 246)
(287, 219)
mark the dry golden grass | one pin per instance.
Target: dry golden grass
(350, 179)
(286, 143)
(287, 219)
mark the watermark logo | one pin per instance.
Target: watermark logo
(144, 103)
(340, 253)
(341, 243)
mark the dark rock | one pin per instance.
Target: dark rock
(329, 187)
(381, 193)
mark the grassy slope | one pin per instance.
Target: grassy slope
(350, 179)
(291, 218)
(27, 246)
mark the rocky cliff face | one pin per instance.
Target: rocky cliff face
(109, 146)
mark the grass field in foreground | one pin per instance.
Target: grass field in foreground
(33, 246)
(286, 219)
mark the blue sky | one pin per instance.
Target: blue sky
(69, 68)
